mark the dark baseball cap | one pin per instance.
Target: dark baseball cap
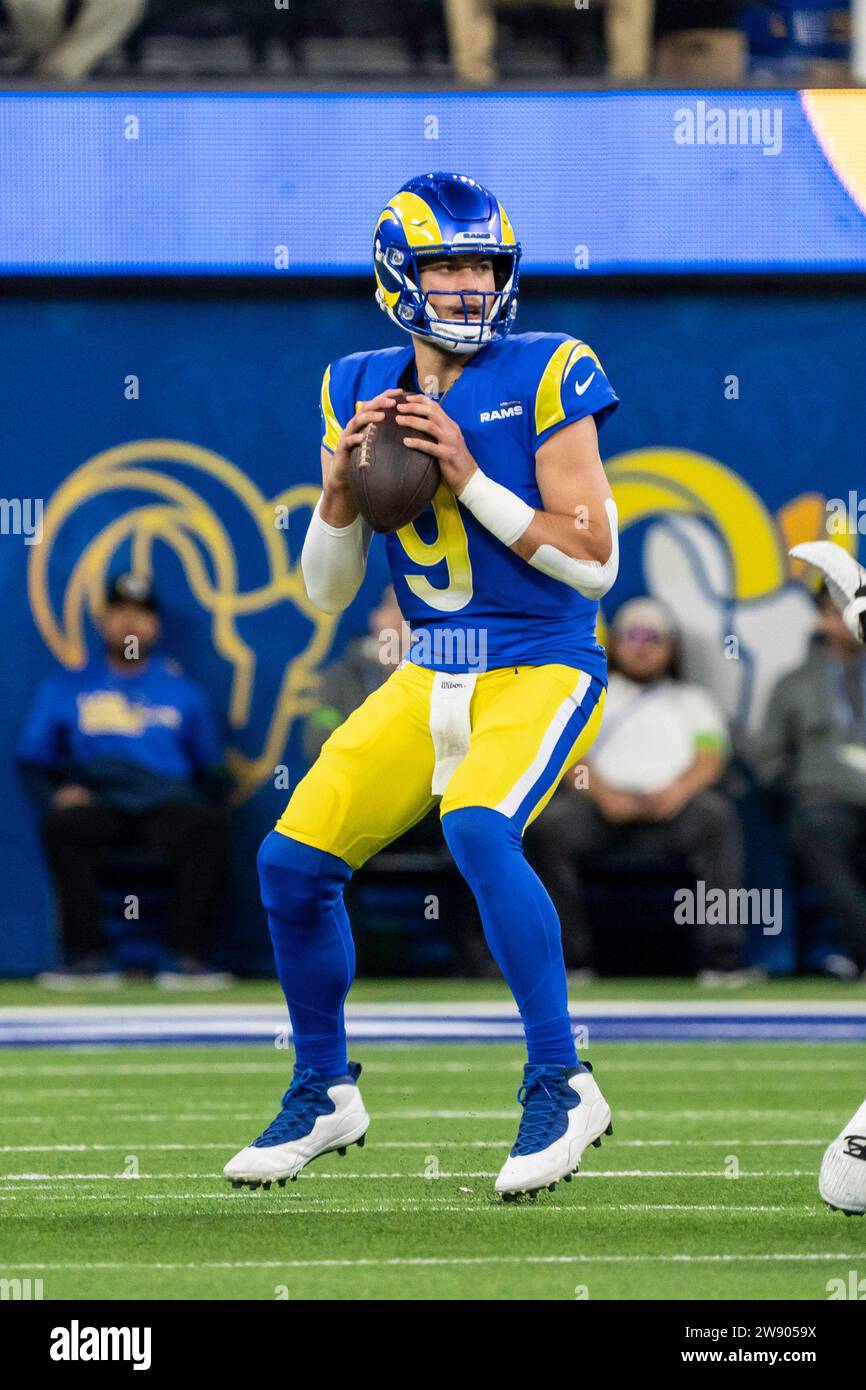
(132, 588)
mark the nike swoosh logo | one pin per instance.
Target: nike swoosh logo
(580, 389)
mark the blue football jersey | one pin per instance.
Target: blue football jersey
(471, 603)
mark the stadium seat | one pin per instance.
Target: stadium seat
(391, 903)
(629, 901)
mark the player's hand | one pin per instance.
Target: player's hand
(368, 413)
(666, 803)
(619, 807)
(71, 795)
(449, 449)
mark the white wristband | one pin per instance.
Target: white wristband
(505, 515)
(333, 561)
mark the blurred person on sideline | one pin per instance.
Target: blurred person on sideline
(472, 36)
(366, 664)
(842, 1180)
(811, 757)
(125, 752)
(649, 785)
(69, 51)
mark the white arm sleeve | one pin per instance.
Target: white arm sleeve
(333, 561)
(588, 577)
(507, 516)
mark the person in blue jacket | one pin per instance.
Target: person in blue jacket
(126, 752)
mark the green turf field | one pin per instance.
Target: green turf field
(656, 1212)
(16, 993)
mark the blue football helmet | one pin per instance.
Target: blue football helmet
(432, 217)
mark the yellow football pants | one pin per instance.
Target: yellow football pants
(372, 779)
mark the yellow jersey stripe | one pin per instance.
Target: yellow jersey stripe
(333, 429)
(548, 401)
(581, 350)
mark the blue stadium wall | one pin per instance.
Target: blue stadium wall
(741, 414)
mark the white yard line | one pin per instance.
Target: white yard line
(134, 1146)
(446, 1010)
(382, 1177)
(20, 1095)
(252, 1117)
(307, 1208)
(446, 1260)
(424, 1022)
(622, 1113)
(272, 1069)
(255, 1117)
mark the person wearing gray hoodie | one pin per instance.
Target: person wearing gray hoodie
(811, 756)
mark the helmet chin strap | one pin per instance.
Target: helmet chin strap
(455, 348)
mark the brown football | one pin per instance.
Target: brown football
(391, 484)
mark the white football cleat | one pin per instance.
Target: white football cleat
(842, 1182)
(844, 577)
(318, 1115)
(563, 1113)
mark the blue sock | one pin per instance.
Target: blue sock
(302, 892)
(520, 924)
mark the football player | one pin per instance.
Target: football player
(842, 1181)
(503, 691)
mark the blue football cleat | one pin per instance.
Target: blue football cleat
(318, 1115)
(563, 1113)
